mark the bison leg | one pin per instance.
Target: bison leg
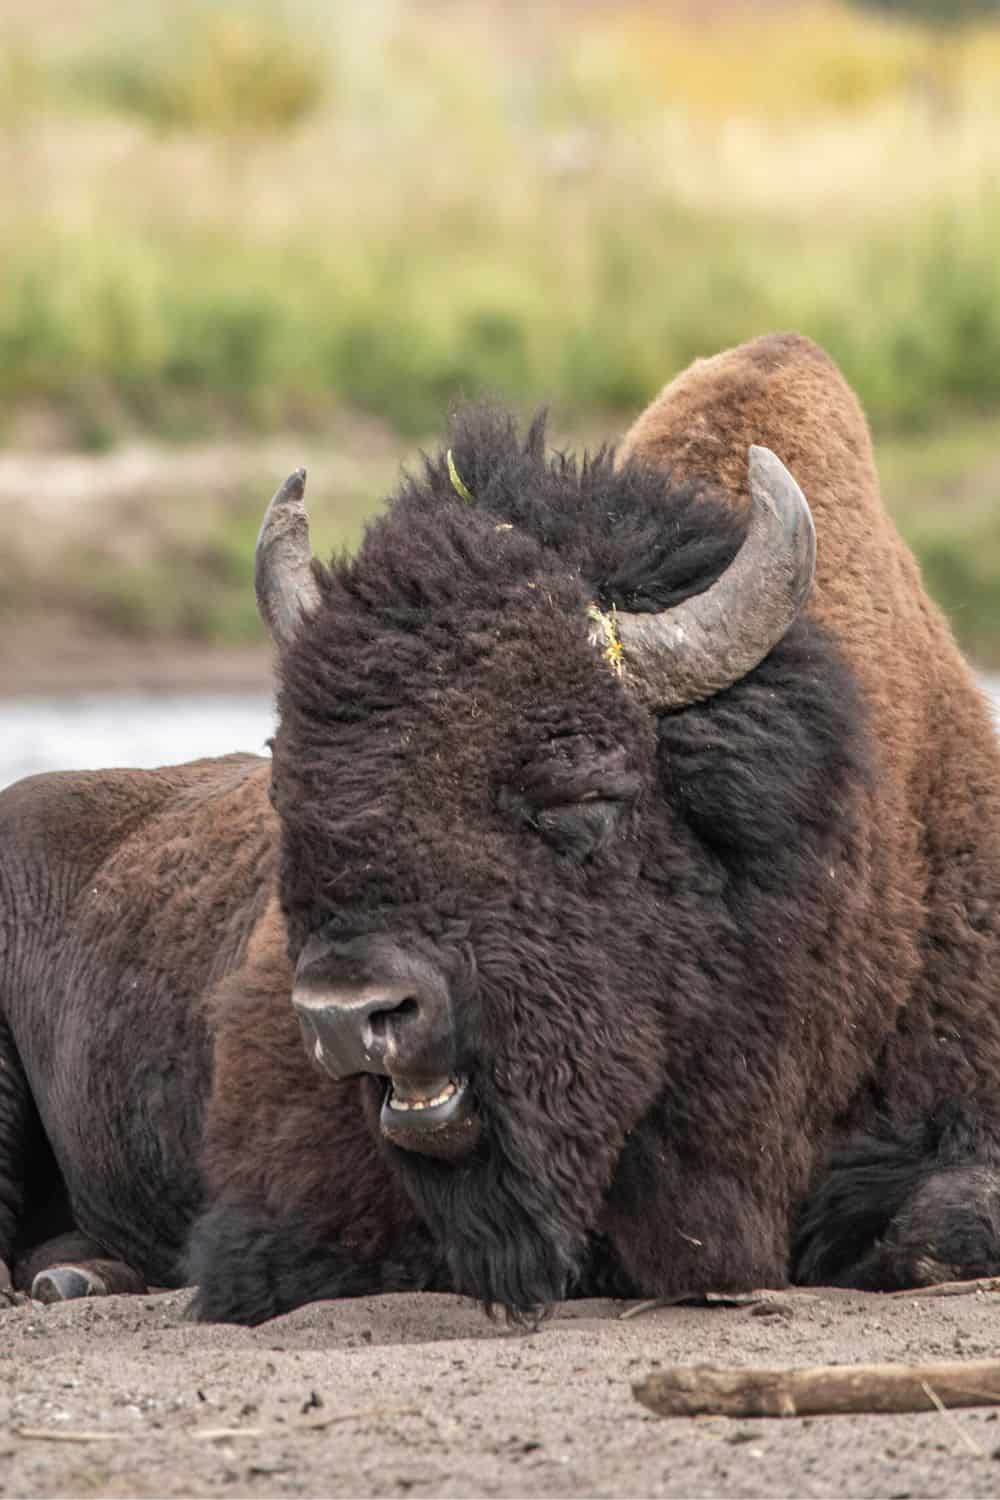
(906, 1207)
(89, 1278)
(8, 1296)
(36, 1235)
(250, 1265)
(31, 1189)
(73, 1265)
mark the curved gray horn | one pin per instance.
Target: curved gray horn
(282, 572)
(704, 645)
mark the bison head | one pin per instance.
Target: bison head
(500, 916)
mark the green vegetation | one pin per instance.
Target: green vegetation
(172, 334)
(248, 215)
(225, 70)
(222, 218)
(937, 12)
(944, 491)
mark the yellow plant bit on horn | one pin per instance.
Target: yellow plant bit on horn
(458, 484)
(607, 637)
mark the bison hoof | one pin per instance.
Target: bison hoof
(62, 1283)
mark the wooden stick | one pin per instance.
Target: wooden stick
(953, 1288)
(700, 1390)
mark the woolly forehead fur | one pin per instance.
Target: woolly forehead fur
(592, 532)
(454, 648)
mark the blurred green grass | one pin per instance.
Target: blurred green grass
(943, 488)
(251, 213)
(226, 218)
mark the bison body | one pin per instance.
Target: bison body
(588, 931)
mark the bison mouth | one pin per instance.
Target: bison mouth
(432, 1116)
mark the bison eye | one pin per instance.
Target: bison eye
(582, 829)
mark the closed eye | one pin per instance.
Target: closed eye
(584, 828)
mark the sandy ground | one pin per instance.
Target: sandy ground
(421, 1395)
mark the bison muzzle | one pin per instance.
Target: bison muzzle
(369, 1007)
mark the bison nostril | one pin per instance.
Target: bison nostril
(380, 1011)
(380, 1020)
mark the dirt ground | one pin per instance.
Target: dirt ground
(421, 1395)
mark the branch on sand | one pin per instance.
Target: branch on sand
(953, 1288)
(703, 1390)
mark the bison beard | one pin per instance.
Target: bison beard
(515, 1221)
(662, 896)
(506, 1245)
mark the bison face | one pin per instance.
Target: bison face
(371, 1005)
(495, 921)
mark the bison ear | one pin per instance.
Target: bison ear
(708, 642)
(283, 574)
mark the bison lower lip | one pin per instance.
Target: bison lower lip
(434, 1116)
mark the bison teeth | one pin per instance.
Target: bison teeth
(446, 1093)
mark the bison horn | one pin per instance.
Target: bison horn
(283, 575)
(686, 654)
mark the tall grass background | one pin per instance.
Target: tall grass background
(222, 218)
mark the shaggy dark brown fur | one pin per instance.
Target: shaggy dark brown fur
(688, 955)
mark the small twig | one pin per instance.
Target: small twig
(215, 1434)
(692, 1299)
(650, 1305)
(318, 1423)
(969, 1441)
(66, 1435)
(953, 1288)
(313, 1424)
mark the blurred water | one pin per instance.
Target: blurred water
(85, 733)
(50, 734)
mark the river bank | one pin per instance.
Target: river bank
(132, 570)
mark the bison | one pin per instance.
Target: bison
(619, 910)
